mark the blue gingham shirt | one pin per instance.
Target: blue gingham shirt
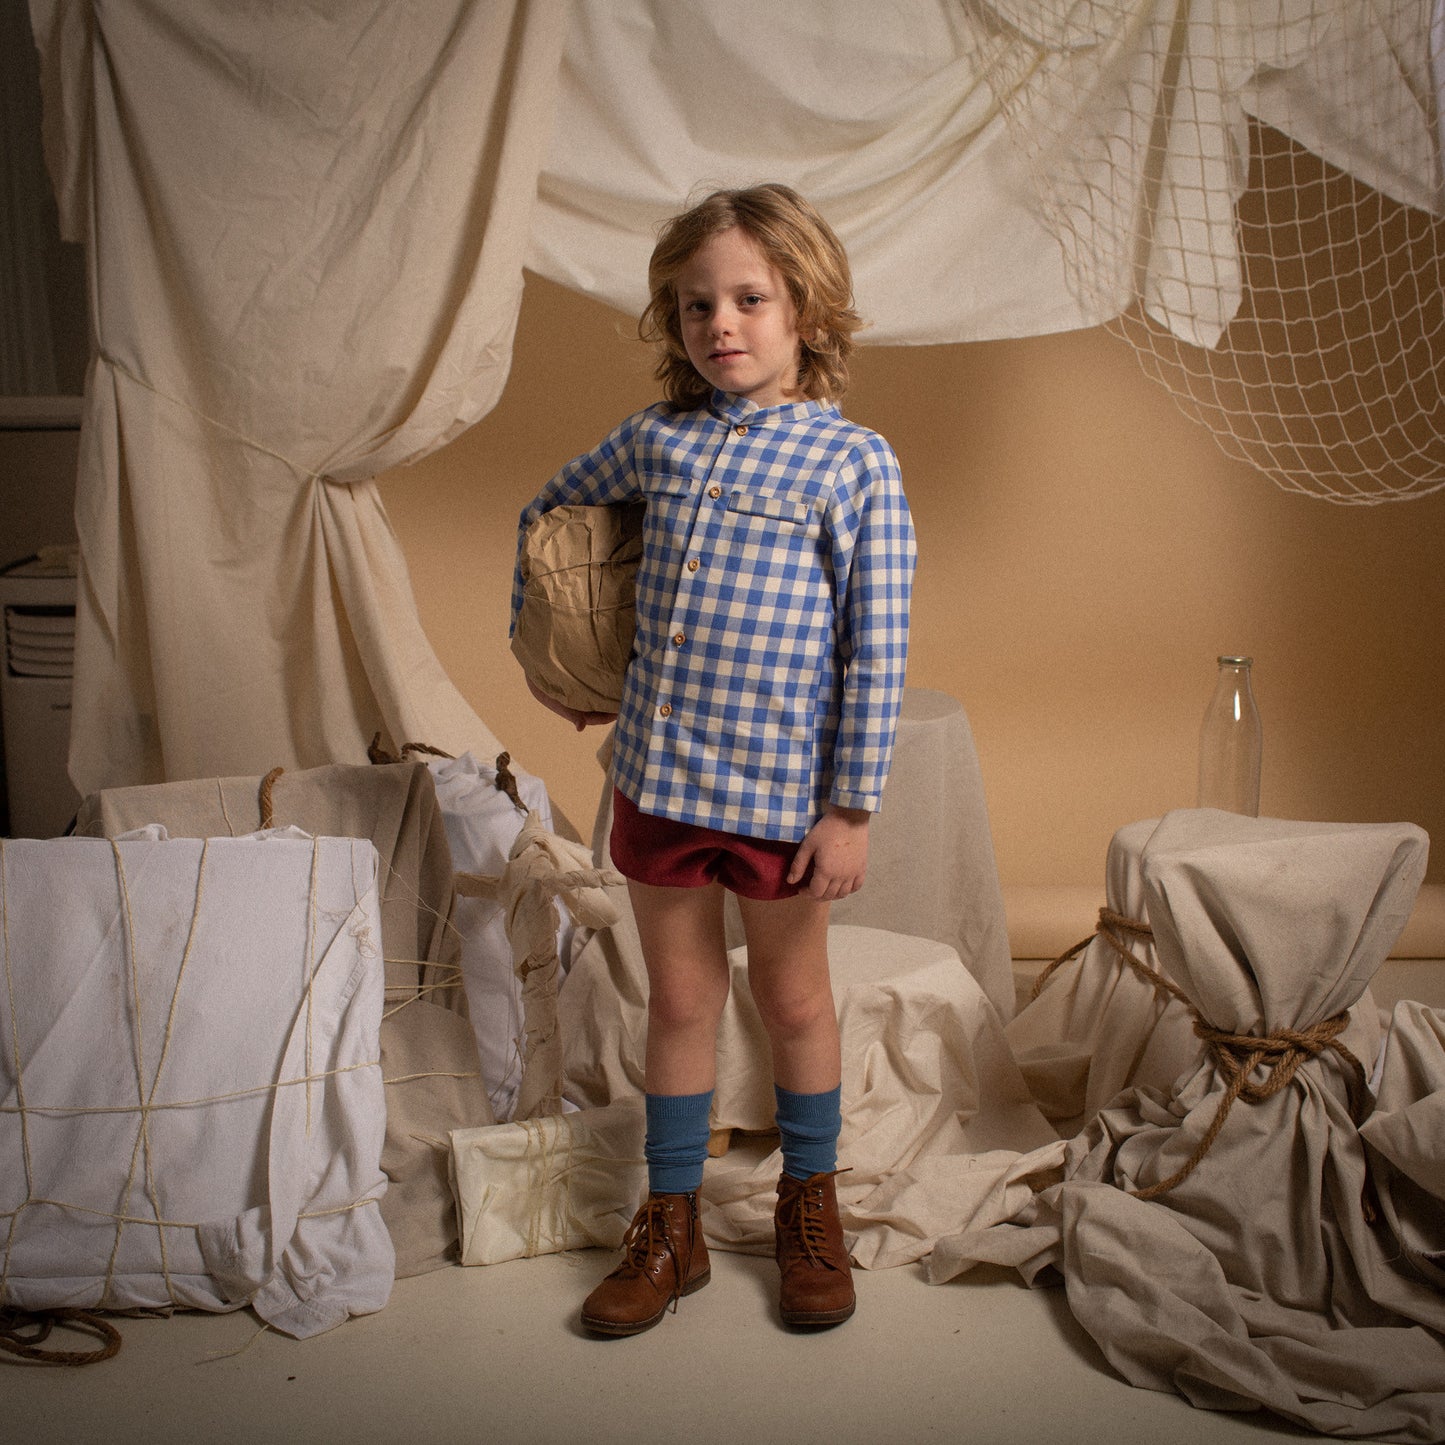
(772, 610)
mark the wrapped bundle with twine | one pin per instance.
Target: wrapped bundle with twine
(574, 632)
(1237, 1203)
(541, 870)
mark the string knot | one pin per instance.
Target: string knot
(1236, 1056)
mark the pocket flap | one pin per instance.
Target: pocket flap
(782, 509)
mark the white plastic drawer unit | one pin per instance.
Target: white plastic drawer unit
(35, 684)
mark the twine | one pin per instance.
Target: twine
(1236, 1056)
(507, 782)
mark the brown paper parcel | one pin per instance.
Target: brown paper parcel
(578, 617)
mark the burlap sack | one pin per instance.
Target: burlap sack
(574, 632)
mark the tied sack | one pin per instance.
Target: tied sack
(575, 629)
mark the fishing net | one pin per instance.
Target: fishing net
(1249, 192)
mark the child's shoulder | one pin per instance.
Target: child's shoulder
(860, 441)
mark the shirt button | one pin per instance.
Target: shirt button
(665, 710)
(714, 491)
(679, 638)
(741, 430)
(692, 564)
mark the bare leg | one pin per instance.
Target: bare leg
(788, 971)
(684, 948)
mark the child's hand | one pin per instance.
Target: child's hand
(837, 849)
(579, 720)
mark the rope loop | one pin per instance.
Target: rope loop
(1236, 1056)
(23, 1332)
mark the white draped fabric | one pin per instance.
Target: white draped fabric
(883, 118)
(995, 167)
(305, 238)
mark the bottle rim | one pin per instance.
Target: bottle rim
(1236, 661)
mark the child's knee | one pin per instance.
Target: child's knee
(682, 1004)
(788, 1011)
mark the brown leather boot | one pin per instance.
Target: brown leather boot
(817, 1284)
(664, 1257)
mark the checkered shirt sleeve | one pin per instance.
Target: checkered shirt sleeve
(772, 611)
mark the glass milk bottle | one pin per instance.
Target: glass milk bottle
(1231, 742)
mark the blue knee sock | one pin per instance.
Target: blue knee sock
(810, 1125)
(676, 1147)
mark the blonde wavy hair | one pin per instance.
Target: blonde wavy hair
(800, 245)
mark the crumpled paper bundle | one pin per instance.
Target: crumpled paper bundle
(575, 630)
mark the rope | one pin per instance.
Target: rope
(22, 1332)
(507, 782)
(375, 753)
(1236, 1056)
(268, 783)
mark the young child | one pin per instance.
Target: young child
(758, 713)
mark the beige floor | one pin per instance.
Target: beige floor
(495, 1354)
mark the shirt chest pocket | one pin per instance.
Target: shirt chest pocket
(784, 513)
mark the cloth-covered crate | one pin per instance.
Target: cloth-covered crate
(191, 1105)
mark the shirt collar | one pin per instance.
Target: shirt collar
(739, 409)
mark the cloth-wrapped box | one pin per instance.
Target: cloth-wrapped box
(191, 1105)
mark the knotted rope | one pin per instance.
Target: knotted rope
(1236, 1056)
(506, 781)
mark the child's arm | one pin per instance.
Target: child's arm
(874, 554)
(837, 850)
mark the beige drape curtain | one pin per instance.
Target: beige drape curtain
(995, 167)
(305, 234)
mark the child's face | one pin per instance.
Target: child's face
(738, 322)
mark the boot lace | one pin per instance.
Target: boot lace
(802, 1217)
(649, 1233)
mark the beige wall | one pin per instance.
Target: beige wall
(1085, 553)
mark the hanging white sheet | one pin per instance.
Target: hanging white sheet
(883, 118)
(305, 240)
(1114, 176)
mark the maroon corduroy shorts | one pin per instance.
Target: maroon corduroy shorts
(668, 854)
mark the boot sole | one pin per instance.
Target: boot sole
(619, 1330)
(819, 1317)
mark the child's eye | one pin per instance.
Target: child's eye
(752, 300)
